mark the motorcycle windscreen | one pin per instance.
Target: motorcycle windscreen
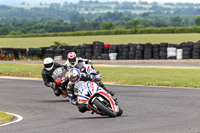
(57, 73)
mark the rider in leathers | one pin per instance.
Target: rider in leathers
(49, 67)
(75, 62)
(75, 76)
(78, 62)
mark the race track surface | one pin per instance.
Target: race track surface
(146, 110)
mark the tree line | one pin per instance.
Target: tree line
(84, 16)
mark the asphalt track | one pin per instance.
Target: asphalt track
(161, 63)
(146, 110)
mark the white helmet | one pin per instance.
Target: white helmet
(48, 63)
(72, 58)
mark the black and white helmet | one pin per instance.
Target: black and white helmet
(48, 63)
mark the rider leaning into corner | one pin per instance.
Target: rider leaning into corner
(49, 67)
(75, 62)
(76, 77)
(78, 62)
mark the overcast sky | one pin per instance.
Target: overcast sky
(162, 1)
(36, 2)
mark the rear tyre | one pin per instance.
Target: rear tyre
(101, 107)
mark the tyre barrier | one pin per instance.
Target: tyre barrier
(99, 50)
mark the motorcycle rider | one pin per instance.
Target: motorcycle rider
(49, 67)
(77, 62)
(75, 75)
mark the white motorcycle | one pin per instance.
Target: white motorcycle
(96, 99)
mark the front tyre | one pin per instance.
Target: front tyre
(120, 112)
(104, 109)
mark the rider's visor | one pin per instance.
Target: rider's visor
(74, 79)
(72, 60)
(48, 65)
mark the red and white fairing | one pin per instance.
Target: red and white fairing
(89, 89)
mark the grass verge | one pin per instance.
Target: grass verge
(5, 117)
(176, 77)
(36, 42)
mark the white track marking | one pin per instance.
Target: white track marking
(19, 118)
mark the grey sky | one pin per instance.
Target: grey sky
(36, 2)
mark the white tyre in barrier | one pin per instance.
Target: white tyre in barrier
(113, 56)
(58, 57)
(171, 52)
(179, 55)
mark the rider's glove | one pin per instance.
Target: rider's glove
(95, 78)
(92, 76)
(52, 84)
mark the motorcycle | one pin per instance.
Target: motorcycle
(60, 76)
(96, 99)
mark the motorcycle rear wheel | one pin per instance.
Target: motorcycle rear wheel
(104, 109)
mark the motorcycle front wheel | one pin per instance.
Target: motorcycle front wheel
(104, 109)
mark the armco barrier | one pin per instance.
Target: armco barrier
(99, 50)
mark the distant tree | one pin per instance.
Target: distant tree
(107, 25)
(135, 24)
(176, 21)
(4, 30)
(197, 21)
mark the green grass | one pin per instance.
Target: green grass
(36, 42)
(5, 117)
(21, 70)
(151, 76)
(122, 75)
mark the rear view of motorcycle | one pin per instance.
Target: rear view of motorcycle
(60, 76)
(96, 99)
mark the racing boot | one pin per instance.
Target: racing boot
(57, 92)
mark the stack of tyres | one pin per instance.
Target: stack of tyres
(156, 51)
(50, 53)
(196, 51)
(132, 51)
(125, 52)
(82, 49)
(113, 52)
(171, 51)
(148, 51)
(120, 52)
(8, 53)
(58, 53)
(113, 49)
(139, 52)
(105, 54)
(66, 50)
(187, 50)
(65, 53)
(20, 53)
(97, 49)
(1, 54)
(163, 50)
(88, 51)
(34, 53)
(43, 50)
(79, 51)
(179, 52)
(74, 48)
(106, 48)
